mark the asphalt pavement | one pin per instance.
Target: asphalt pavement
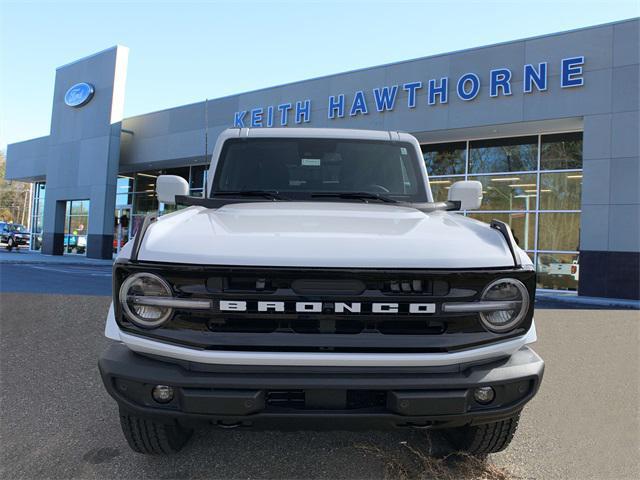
(57, 421)
(53, 278)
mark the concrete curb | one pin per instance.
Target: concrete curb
(589, 301)
(40, 259)
(28, 258)
(62, 264)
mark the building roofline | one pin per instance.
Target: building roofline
(115, 47)
(401, 62)
(34, 139)
(364, 69)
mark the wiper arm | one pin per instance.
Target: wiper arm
(273, 194)
(356, 195)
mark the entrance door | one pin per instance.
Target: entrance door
(122, 227)
(76, 226)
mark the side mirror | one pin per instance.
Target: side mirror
(170, 186)
(468, 193)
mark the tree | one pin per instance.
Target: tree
(14, 197)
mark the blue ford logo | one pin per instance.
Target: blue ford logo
(79, 94)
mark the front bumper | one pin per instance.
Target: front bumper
(290, 397)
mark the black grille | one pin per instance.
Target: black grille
(328, 329)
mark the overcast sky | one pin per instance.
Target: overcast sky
(183, 52)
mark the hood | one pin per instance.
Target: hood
(323, 234)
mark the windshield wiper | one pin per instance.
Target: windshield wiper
(356, 195)
(273, 194)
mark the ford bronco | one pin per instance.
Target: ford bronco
(318, 284)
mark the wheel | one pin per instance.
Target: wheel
(152, 438)
(10, 244)
(483, 439)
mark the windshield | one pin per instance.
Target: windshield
(304, 168)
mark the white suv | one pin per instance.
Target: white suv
(318, 280)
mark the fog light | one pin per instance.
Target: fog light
(162, 393)
(484, 395)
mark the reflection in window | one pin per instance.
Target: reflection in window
(523, 225)
(503, 155)
(560, 191)
(445, 158)
(508, 192)
(558, 271)
(559, 231)
(561, 151)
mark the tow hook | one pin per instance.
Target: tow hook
(228, 426)
(418, 426)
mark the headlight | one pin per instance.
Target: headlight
(509, 291)
(141, 296)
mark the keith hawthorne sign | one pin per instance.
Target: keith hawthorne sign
(435, 91)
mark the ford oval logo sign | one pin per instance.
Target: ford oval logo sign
(78, 95)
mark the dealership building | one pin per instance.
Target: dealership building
(549, 125)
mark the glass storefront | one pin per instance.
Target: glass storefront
(76, 224)
(532, 183)
(137, 192)
(37, 215)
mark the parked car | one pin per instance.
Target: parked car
(13, 235)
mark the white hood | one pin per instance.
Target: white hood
(323, 234)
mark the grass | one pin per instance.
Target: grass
(412, 463)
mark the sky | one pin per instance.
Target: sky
(183, 52)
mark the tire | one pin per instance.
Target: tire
(152, 438)
(481, 440)
(10, 244)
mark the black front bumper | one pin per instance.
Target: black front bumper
(292, 397)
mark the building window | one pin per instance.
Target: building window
(124, 189)
(561, 151)
(76, 225)
(37, 215)
(533, 183)
(198, 179)
(523, 226)
(508, 192)
(560, 191)
(519, 154)
(558, 231)
(445, 158)
(138, 191)
(440, 187)
(558, 271)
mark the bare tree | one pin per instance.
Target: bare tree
(14, 197)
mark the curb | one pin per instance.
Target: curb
(30, 259)
(590, 301)
(67, 264)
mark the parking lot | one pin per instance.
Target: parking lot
(58, 422)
